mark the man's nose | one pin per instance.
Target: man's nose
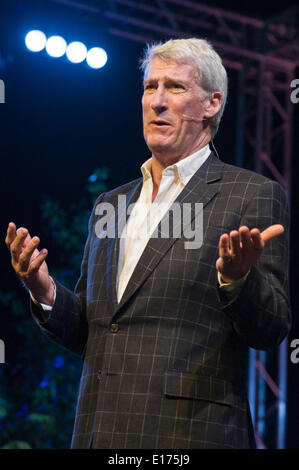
(159, 100)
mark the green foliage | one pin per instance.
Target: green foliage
(39, 384)
(17, 445)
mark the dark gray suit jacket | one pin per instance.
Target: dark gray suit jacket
(167, 366)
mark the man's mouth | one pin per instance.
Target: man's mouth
(160, 123)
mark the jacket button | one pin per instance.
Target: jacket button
(114, 327)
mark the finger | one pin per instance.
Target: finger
(224, 251)
(26, 255)
(257, 240)
(17, 244)
(245, 238)
(234, 243)
(37, 262)
(27, 240)
(11, 234)
(272, 232)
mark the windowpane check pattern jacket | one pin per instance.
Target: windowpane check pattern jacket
(166, 367)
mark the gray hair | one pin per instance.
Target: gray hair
(200, 53)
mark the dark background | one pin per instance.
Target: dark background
(61, 121)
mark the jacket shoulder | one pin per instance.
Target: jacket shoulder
(242, 174)
(243, 181)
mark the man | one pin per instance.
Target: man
(164, 327)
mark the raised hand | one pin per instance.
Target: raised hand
(241, 249)
(29, 263)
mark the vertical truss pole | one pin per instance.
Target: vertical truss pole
(282, 380)
(259, 120)
(240, 120)
(261, 399)
(252, 384)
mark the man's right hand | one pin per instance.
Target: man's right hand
(29, 263)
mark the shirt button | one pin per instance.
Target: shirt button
(114, 327)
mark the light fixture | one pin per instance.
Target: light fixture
(76, 52)
(35, 40)
(96, 57)
(56, 46)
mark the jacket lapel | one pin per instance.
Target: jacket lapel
(198, 190)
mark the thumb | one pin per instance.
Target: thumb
(272, 232)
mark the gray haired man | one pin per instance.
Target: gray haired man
(164, 330)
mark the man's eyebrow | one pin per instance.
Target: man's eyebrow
(166, 79)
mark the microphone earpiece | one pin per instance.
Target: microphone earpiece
(214, 148)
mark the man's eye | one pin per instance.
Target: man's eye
(149, 87)
(177, 86)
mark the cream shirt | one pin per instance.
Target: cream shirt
(146, 214)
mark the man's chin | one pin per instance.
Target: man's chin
(157, 146)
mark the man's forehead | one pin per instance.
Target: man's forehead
(171, 69)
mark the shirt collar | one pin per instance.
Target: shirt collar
(183, 169)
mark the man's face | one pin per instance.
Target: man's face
(172, 109)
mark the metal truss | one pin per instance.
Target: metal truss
(265, 55)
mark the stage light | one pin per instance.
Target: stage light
(76, 52)
(96, 57)
(35, 40)
(56, 46)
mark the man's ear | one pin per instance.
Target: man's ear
(213, 105)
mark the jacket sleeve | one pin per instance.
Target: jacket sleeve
(66, 322)
(261, 312)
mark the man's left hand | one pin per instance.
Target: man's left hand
(241, 249)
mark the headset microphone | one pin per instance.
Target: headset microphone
(214, 148)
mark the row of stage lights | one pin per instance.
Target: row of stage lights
(56, 46)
